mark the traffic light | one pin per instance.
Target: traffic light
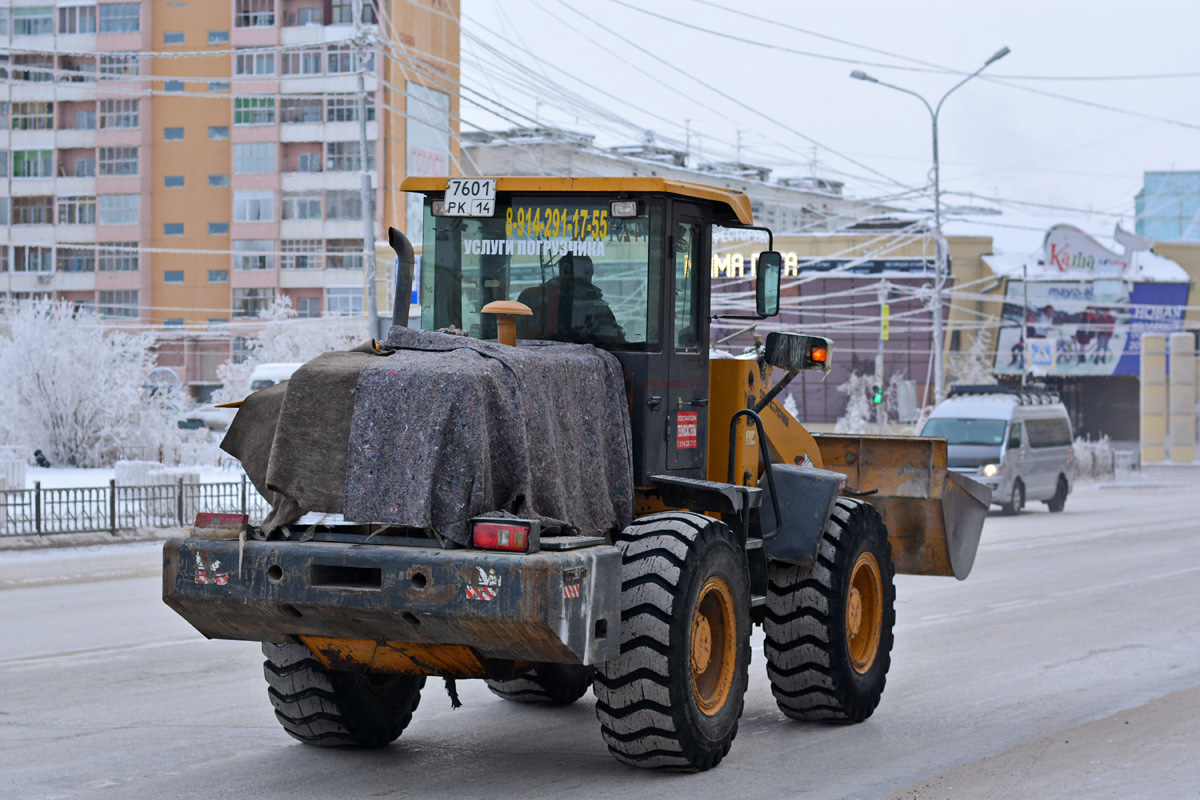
(876, 394)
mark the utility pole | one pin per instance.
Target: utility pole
(363, 43)
(878, 389)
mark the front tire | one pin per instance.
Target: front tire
(546, 684)
(673, 697)
(328, 708)
(829, 625)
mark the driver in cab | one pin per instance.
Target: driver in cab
(569, 307)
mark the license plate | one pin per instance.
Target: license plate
(470, 197)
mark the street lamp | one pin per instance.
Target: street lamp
(939, 242)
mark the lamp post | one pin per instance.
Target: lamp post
(939, 243)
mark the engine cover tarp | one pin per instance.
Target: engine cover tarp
(445, 428)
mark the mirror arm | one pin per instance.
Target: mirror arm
(775, 390)
(767, 231)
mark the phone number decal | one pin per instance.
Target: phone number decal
(579, 223)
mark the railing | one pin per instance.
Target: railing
(112, 508)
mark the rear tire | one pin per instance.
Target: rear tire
(673, 697)
(829, 625)
(547, 684)
(328, 708)
(1059, 501)
(1016, 500)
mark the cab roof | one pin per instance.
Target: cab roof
(736, 204)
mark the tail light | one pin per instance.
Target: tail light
(511, 535)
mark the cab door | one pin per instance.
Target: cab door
(688, 251)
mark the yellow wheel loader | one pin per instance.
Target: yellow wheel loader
(553, 484)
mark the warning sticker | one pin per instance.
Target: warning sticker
(686, 429)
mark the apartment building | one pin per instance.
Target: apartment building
(179, 165)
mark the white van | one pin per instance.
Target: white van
(1018, 443)
(265, 375)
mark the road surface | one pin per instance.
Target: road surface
(1067, 665)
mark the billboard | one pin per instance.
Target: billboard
(1077, 328)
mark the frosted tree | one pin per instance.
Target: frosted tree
(857, 417)
(73, 388)
(974, 365)
(284, 337)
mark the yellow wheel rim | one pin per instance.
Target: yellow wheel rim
(713, 646)
(864, 613)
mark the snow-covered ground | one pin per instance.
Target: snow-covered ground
(70, 477)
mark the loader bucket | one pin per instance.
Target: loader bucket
(934, 516)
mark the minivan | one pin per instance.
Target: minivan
(1019, 443)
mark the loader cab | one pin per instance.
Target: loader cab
(619, 263)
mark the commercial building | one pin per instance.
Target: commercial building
(1168, 206)
(180, 165)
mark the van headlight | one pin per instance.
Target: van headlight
(990, 470)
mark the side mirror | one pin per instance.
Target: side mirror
(766, 283)
(792, 351)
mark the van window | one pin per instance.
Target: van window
(1049, 432)
(966, 431)
(1014, 436)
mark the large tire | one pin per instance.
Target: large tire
(829, 626)
(673, 697)
(1059, 501)
(327, 708)
(1016, 500)
(547, 684)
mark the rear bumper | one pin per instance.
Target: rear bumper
(561, 606)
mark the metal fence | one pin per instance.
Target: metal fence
(112, 508)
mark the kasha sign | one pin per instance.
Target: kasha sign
(1068, 249)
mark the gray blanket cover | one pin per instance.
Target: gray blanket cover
(434, 429)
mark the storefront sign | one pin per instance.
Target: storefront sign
(1068, 249)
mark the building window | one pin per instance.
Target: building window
(117, 257)
(172, 323)
(255, 63)
(33, 164)
(33, 258)
(172, 86)
(341, 12)
(118, 161)
(250, 303)
(32, 116)
(77, 19)
(344, 108)
(218, 86)
(308, 162)
(218, 276)
(77, 210)
(118, 209)
(85, 167)
(344, 301)
(218, 37)
(120, 17)
(302, 206)
(172, 229)
(343, 204)
(172, 181)
(119, 114)
(218, 229)
(85, 120)
(4, 221)
(300, 254)
(173, 276)
(218, 181)
(33, 210)
(308, 307)
(254, 157)
(254, 111)
(76, 259)
(119, 66)
(254, 13)
(300, 62)
(299, 109)
(254, 206)
(173, 134)
(254, 254)
(173, 37)
(3, 163)
(118, 304)
(33, 21)
(340, 59)
(305, 16)
(344, 254)
(344, 156)
(218, 132)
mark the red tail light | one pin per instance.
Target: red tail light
(513, 535)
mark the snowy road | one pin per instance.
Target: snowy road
(1067, 620)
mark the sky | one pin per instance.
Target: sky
(1002, 145)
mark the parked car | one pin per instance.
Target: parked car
(265, 375)
(1018, 443)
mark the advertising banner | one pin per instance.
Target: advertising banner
(1084, 327)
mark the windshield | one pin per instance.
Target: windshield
(966, 431)
(587, 276)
